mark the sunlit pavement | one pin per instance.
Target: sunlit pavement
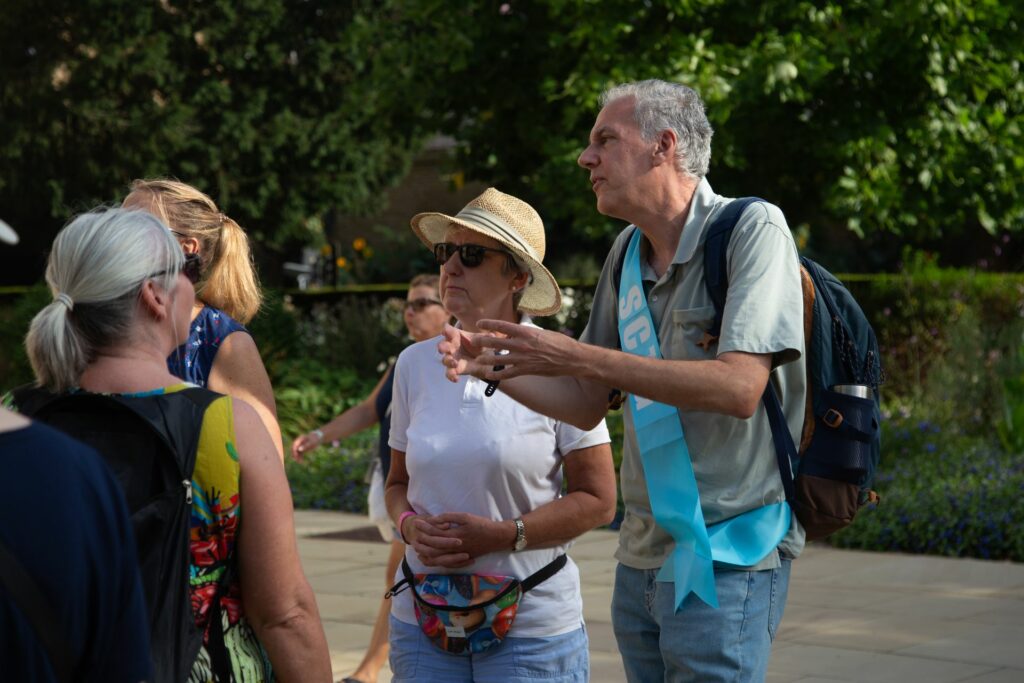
(851, 616)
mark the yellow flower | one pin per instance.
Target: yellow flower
(341, 262)
(368, 252)
(325, 250)
(359, 244)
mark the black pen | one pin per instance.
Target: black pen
(492, 385)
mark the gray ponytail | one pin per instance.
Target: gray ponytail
(95, 272)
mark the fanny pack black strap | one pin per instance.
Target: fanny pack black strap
(544, 573)
(531, 581)
(408, 582)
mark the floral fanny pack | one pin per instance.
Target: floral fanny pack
(463, 614)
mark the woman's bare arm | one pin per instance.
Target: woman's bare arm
(238, 372)
(278, 600)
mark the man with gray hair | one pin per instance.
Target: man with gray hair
(707, 539)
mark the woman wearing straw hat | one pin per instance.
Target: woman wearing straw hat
(476, 479)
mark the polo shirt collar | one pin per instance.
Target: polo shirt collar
(704, 203)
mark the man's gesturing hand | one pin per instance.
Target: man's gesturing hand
(521, 349)
(460, 351)
(525, 350)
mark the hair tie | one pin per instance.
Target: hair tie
(66, 300)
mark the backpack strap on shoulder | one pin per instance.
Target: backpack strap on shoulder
(621, 262)
(716, 249)
(716, 279)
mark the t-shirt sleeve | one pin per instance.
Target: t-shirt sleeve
(398, 439)
(764, 305)
(569, 438)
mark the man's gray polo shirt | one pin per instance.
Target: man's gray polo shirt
(733, 460)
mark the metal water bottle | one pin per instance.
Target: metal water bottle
(858, 390)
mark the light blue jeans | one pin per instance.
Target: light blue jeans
(698, 643)
(559, 659)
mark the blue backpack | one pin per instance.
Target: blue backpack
(829, 476)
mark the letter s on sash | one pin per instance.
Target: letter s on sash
(630, 302)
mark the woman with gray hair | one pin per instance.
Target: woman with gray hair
(123, 297)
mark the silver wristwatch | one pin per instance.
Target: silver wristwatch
(520, 543)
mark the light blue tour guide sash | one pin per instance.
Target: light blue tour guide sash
(743, 540)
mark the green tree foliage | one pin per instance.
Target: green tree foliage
(280, 109)
(884, 118)
(872, 118)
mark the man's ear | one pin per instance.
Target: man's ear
(154, 300)
(665, 151)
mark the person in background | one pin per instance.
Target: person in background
(123, 300)
(227, 297)
(425, 317)
(64, 525)
(476, 481)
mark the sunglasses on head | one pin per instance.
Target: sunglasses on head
(471, 255)
(417, 305)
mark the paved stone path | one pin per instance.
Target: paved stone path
(851, 616)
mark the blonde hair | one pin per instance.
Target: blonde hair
(228, 280)
(96, 269)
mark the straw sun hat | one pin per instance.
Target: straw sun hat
(517, 226)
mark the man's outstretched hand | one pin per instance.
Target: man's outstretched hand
(521, 349)
(460, 351)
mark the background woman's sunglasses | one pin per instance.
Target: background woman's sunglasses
(471, 255)
(191, 268)
(418, 305)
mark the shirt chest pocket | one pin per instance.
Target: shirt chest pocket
(689, 330)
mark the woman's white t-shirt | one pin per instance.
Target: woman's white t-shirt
(492, 457)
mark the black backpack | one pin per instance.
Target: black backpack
(829, 477)
(150, 444)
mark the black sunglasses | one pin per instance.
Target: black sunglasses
(191, 268)
(418, 305)
(471, 255)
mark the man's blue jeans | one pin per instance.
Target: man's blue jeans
(698, 643)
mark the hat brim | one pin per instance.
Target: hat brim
(542, 296)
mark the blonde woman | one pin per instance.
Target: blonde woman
(227, 297)
(123, 297)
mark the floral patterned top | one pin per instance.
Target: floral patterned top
(193, 360)
(216, 515)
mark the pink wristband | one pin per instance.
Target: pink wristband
(401, 520)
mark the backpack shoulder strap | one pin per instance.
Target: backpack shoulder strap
(23, 591)
(716, 248)
(716, 279)
(620, 263)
